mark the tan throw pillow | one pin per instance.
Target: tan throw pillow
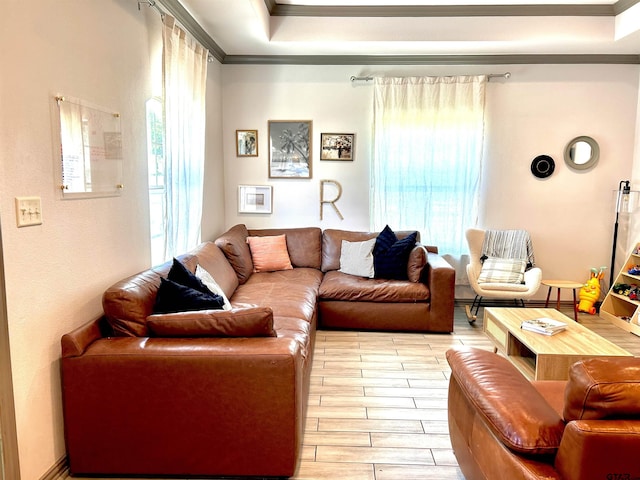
(269, 253)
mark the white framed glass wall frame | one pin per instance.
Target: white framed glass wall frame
(90, 149)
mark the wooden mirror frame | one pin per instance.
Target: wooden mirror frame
(570, 149)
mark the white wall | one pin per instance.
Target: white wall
(537, 111)
(213, 202)
(56, 272)
(253, 95)
(106, 53)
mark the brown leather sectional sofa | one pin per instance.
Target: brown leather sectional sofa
(148, 394)
(503, 426)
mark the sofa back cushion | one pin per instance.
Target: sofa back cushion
(129, 302)
(233, 244)
(304, 244)
(600, 388)
(332, 246)
(211, 258)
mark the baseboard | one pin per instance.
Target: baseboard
(58, 471)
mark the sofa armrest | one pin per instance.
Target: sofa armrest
(77, 341)
(215, 402)
(441, 278)
(599, 449)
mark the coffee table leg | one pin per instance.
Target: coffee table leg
(575, 306)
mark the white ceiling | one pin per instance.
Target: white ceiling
(247, 28)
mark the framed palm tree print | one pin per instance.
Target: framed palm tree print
(290, 148)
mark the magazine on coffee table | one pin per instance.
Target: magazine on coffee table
(544, 325)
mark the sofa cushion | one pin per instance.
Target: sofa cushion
(597, 391)
(502, 270)
(213, 260)
(239, 322)
(356, 258)
(269, 253)
(340, 286)
(180, 274)
(332, 243)
(416, 263)
(391, 255)
(304, 244)
(234, 245)
(212, 285)
(289, 293)
(129, 302)
(174, 297)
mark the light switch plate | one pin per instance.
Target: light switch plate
(28, 211)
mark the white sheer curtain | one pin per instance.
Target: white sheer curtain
(428, 144)
(184, 76)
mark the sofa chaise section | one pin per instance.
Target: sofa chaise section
(138, 404)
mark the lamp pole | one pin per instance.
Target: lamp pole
(624, 189)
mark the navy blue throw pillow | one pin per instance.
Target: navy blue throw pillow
(390, 255)
(181, 274)
(173, 297)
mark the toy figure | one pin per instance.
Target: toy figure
(590, 291)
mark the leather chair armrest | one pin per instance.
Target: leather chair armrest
(512, 408)
(599, 449)
(440, 278)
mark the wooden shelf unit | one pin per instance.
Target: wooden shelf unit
(615, 306)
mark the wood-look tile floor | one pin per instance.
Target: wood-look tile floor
(378, 402)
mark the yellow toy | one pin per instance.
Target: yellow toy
(590, 291)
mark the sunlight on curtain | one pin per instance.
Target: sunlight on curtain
(428, 144)
(184, 77)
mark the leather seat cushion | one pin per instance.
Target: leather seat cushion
(289, 293)
(341, 286)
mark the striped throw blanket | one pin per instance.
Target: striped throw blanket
(515, 244)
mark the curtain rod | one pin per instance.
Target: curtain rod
(153, 4)
(506, 75)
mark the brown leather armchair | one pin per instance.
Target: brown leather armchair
(503, 426)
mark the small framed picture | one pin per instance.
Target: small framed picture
(246, 143)
(290, 148)
(255, 198)
(336, 146)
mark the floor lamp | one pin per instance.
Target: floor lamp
(622, 205)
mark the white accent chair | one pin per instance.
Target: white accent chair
(502, 291)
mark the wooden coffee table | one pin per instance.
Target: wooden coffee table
(543, 357)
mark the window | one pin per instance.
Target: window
(428, 156)
(156, 166)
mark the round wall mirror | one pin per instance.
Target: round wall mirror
(582, 153)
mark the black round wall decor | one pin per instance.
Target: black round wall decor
(543, 166)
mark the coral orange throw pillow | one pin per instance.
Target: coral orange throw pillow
(269, 253)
